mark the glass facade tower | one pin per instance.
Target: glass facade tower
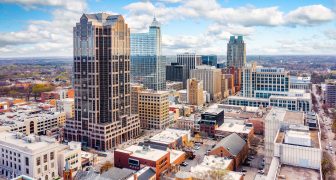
(148, 67)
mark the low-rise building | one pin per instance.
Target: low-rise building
(70, 154)
(174, 85)
(137, 157)
(171, 138)
(66, 105)
(33, 156)
(211, 167)
(211, 119)
(31, 119)
(245, 131)
(232, 146)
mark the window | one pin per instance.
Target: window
(52, 156)
(38, 170)
(52, 165)
(38, 161)
(45, 167)
(45, 158)
(27, 161)
(27, 171)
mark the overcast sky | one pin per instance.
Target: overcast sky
(44, 27)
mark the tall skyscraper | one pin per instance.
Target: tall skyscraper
(103, 116)
(190, 60)
(148, 67)
(236, 52)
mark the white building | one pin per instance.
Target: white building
(33, 156)
(70, 153)
(66, 105)
(288, 138)
(31, 120)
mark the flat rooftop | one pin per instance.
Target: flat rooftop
(234, 128)
(175, 154)
(145, 153)
(18, 115)
(169, 135)
(284, 115)
(312, 135)
(299, 173)
(31, 143)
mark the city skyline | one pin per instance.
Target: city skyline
(204, 27)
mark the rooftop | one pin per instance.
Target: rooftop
(233, 143)
(30, 144)
(169, 135)
(144, 152)
(299, 173)
(299, 138)
(234, 128)
(284, 115)
(19, 114)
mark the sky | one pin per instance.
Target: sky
(36, 28)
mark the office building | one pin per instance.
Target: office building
(236, 52)
(237, 76)
(225, 86)
(270, 87)
(190, 60)
(195, 92)
(210, 60)
(177, 72)
(174, 86)
(210, 120)
(153, 108)
(148, 67)
(211, 78)
(289, 140)
(135, 90)
(33, 156)
(103, 116)
(299, 82)
(329, 92)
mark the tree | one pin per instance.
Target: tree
(327, 164)
(37, 89)
(106, 166)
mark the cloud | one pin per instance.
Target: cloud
(73, 5)
(331, 34)
(42, 37)
(310, 15)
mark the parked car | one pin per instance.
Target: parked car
(261, 171)
(184, 163)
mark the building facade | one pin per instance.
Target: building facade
(31, 155)
(236, 52)
(153, 109)
(103, 116)
(177, 72)
(148, 67)
(211, 78)
(190, 60)
(329, 92)
(210, 60)
(195, 92)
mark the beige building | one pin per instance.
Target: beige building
(225, 86)
(66, 105)
(135, 90)
(70, 154)
(153, 109)
(211, 78)
(195, 92)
